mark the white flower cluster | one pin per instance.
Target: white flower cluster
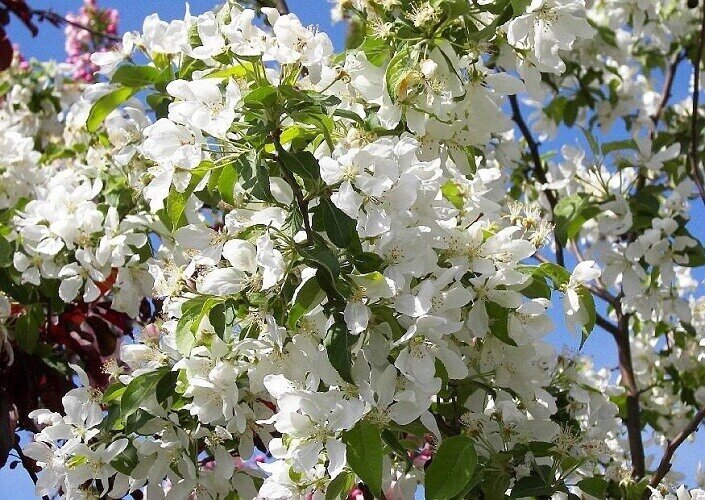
(340, 264)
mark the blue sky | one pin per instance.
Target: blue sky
(50, 45)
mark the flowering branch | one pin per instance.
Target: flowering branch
(667, 88)
(665, 465)
(538, 168)
(694, 134)
(57, 20)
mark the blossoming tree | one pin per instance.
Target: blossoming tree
(340, 264)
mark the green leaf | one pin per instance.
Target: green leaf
(519, 6)
(226, 183)
(308, 297)
(126, 461)
(570, 214)
(321, 257)
(451, 468)
(176, 201)
(557, 274)
(106, 104)
(608, 147)
(339, 226)
(339, 487)
(367, 262)
(159, 103)
(262, 97)
(365, 452)
(6, 252)
(302, 163)
(337, 344)
(166, 386)
(587, 302)
(451, 192)
(376, 50)
(22, 294)
(499, 322)
(396, 72)
(136, 76)
(28, 326)
(595, 486)
(114, 392)
(185, 339)
(239, 71)
(139, 389)
(696, 256)
(536, 286)
(531, 486)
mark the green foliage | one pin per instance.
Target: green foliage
(451, 468)
(365, 451)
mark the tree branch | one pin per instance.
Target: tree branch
(665, 465)
(282, 7)
(606, 325)
(57, 20)
(633, 418)
(694, 133)
(538, 167)
(667, 90)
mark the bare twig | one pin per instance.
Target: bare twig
(694, 133)
(667, 90)
(665, 465)
(538, 166)
(58, 20)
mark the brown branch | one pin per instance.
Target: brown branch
(606, 325)
(633, 418)
(694, 134)
(538, 166)
(665, 465)
(667, 90)
(282, 7)
(58, 20)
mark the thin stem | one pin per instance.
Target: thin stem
(665, 465)
(667, 90)
(58, 19)
(538, 166)
(694, 134)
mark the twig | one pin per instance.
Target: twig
(665, 465)
(282, 7)
(538, 168)
(27, 463)
(667, 88)
(694, 135)
(606, 325)
(58, 19)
